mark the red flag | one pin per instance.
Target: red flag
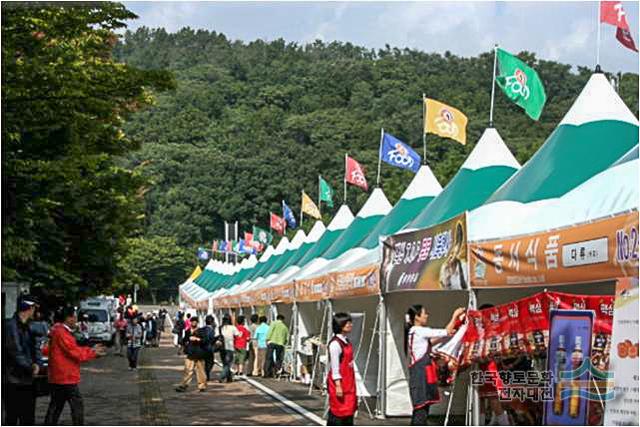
(611, 12)
(248, 238)
(354, 174)
(277, 223)
(214, 247)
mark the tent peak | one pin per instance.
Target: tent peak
(315, 233)
(598, 101)
(423, 184)
(343, 218)
(490, 151)
(376, 204)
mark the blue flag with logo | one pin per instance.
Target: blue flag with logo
(203, 254)
(288, 215)
(399, 154)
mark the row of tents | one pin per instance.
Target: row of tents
(586, 170)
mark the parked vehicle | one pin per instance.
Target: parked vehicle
(99, 320)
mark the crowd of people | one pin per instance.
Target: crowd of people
(42, 355)
(246, 347)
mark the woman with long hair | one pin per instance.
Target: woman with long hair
(341, 381)
(423, 378)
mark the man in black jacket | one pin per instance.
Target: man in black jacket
(196, 343)
(19, 365)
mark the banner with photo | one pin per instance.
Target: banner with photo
(355, 283)
(623, 409)
(599, 250)
(433, 258)
(315, 289)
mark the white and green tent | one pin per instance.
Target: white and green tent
(596, 131)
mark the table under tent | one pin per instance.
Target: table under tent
(566, 189)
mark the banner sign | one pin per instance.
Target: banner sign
(281, 293)
(246, 299)
(315, 289)
(433, 258)
(569, 347)
(522, 327)
(359, 282)
(623, 409)
(600, 250)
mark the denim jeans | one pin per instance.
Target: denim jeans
(227, 359)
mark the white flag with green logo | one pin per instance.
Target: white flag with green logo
(520, 83)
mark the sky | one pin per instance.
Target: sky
(561, 31)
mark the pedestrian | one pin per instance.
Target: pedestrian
(19, 365)
(210, 326)
(65, 357)
(195, 347)
(423, 378)
(134, 342)
(228, 332)
(260, 337)
(40, 332)
(178, 332)
(241, 345)
(253, 347)
(120, 339)
(341, 381)
(277, 338)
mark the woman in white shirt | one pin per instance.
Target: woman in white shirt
(423, 378)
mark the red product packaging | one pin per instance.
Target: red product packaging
(494, 327)
(473, 339)
(534, 312)
(602, 305)
(513, 331)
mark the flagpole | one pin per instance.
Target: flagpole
(235, 233)
(493, 83)
(302, 195)
(226, 239)
(424, 133)
(380, 157)
(598, 42)
(345, 177)
(319, 196)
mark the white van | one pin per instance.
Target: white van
(100, 320)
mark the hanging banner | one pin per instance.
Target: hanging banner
(281, 293)
(315, 289)
(433, 258)
(522, 327)
(623, 409)
(246, 299)
(355, 283)
(600, 250)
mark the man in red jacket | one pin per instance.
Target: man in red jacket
(65, 357)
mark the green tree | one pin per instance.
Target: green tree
(68, 204)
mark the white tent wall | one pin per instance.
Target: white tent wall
(395, 384)
(312, 320)
(369, 306)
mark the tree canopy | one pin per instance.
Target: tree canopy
(251, 124)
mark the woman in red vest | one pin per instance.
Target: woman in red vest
(423, 377)
(341, 381)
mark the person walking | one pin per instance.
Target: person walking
(195, 347)
(277, 338)
(253, 347)
(241, 345)
(120, 339)
(19, 365)
(65, 357)
(210, 327)
(423, 378)
(341, 381)
(134, 342)
(260, 337)
(228, 332)
(178, 332)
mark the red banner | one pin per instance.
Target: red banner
(354, 174)
(277, 223)
(523, 326)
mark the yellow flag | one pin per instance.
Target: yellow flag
(309, 207)
(196, 272)
(445, 121)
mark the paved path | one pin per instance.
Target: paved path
(115, 396)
